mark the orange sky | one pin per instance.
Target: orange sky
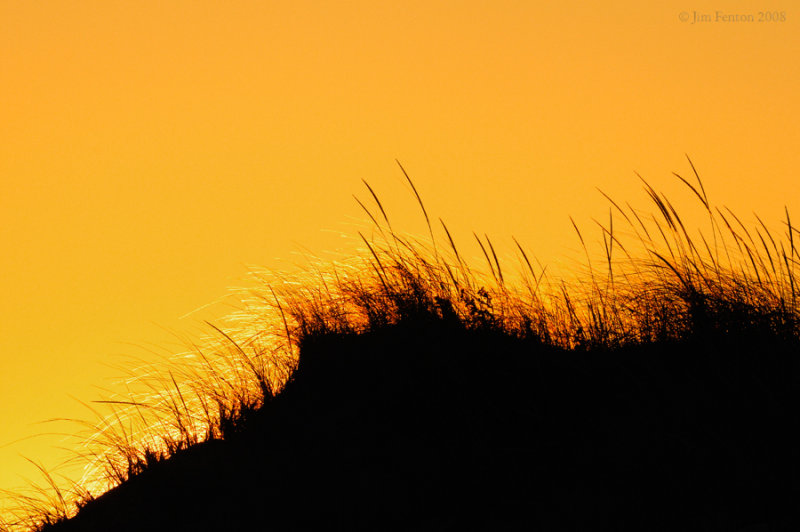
(149, 151)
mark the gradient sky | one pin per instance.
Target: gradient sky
(150, 151)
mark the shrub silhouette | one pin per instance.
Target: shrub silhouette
(411, 391)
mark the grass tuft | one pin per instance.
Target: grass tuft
(663, 284)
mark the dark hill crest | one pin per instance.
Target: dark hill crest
(413, 392)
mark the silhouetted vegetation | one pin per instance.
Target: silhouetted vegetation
(409, 390)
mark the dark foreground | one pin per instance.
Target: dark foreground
(426, 426)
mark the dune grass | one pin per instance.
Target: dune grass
(655, 281)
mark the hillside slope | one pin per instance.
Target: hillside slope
(425, 425)
(659, 392)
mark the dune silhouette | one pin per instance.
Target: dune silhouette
(421, 395)
(426, 426)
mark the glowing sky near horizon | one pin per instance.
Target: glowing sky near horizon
(149, 151)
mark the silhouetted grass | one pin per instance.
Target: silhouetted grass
(669, 365)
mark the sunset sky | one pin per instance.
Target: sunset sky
(151, 151)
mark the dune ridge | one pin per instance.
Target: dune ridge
(410, 390)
